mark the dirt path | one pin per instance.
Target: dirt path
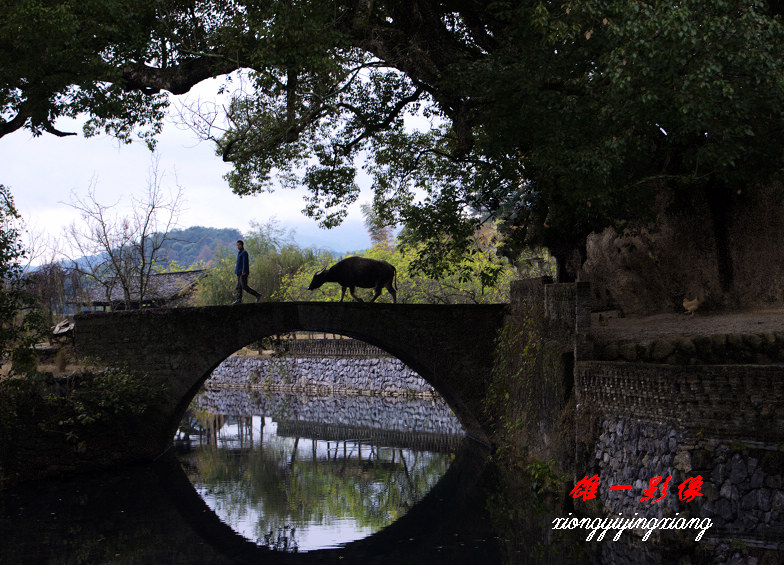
(652, 327)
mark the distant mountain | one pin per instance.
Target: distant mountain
(187, 246)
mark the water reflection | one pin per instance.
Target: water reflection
(283, 490)
(153, 514)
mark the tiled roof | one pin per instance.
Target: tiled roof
(162, 287)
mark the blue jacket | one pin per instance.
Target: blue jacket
(243, 263)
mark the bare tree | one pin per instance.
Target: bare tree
(55, 285)
(115, 251)
(380, 232)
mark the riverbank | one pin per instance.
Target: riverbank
(386, 376)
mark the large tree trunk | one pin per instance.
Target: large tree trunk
(569, 253)
(720, 201)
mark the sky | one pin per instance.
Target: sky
(42, 173)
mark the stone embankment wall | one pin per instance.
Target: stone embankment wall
(385, 376)
(388, 412)
(742, 489)
(720, 422)
(757, 348)
(732, 401)
(680, 407)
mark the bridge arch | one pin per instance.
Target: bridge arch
(450, 346)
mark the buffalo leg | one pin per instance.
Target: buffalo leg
(377, 294)
(343, 293)
(357, 298)
(392, 291)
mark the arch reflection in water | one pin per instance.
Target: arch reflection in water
(294, 485)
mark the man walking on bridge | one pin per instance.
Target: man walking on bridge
(242, 271)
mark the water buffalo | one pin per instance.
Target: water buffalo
(358, 272)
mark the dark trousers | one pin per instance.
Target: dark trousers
(242, 284)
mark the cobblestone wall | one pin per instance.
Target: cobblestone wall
(742, 490)
(386, 376)
(678, 407)
(716, 422)
(729, 401)
(313, 347)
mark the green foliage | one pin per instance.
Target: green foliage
(65, 58)
(101, 397)
(545, 477)
(629, 93)
(531, 484)
(466, 281)
(554, 118)
(511, 403)
(571, 119)
(21, 322)
(380, 233)
(273, 256)
(110, 398)
(218, 286)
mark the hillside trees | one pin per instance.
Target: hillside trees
(557, 118)
(195, 245)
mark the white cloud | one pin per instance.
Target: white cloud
(42, 172)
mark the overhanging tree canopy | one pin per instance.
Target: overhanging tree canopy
(558, 118)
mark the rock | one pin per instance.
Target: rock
(777, 502)
(749, 501)
(603, 352)
(763, 499)
(738, 471)
(682, 462)
(723, 509)
(709, 492)
(720, 473)
(686, 346)
(752, 341)
(769, 343)
(703, 345)
(774, 481)
(734, 342)
(628, 351)
(757, 478)
(661, 350)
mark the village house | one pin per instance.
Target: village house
(168, 290)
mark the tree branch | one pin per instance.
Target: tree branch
(372, 127)
(49, 128)
(16, 123)
(177, 79)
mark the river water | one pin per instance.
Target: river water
(271, 483)
(266, 478)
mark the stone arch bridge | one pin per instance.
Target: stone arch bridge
(450, 346)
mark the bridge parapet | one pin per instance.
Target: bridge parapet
(564, 308)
